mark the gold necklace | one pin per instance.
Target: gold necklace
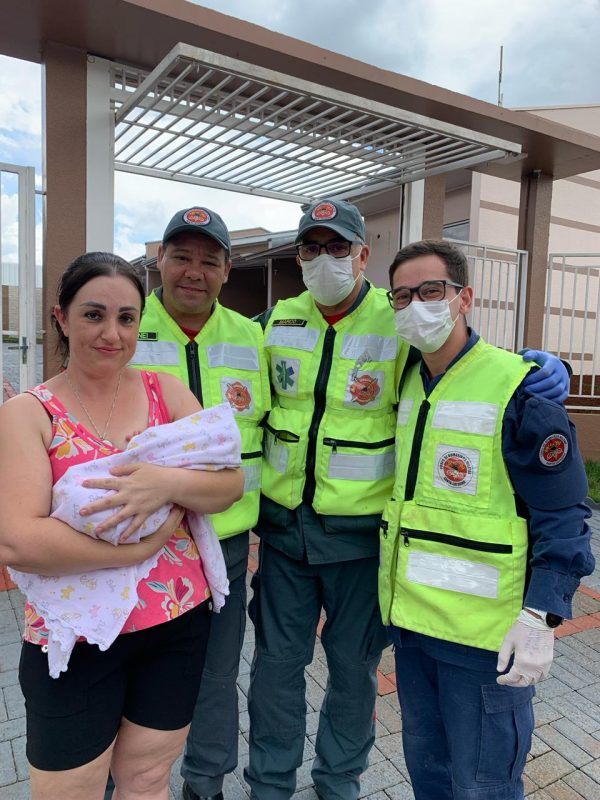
(102, 436)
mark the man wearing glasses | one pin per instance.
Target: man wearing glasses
(336, 361)
(483, 542)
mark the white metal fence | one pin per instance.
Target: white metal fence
(571, 322)
(498, 276)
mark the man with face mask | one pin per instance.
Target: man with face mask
(483, 542)
(336, 363)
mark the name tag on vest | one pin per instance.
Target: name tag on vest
(299, 338)
(156, 354)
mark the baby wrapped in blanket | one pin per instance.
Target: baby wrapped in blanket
(96, 605)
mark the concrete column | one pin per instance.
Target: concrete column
(412, 221)
(533, 236)
(100, 157)
(433, 207)
(64, 159)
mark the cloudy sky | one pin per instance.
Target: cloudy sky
(551, 57)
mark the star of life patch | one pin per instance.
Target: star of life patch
(554, 449)
(456, 469)
(285, 373)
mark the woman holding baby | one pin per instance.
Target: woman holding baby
(127, 708)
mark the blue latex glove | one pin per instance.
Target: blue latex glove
(551, 380)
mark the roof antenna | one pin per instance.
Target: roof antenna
(500, 95)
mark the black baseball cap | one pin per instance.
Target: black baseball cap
(198, 219)
(337, 215)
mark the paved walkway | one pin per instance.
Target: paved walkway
(564, 763)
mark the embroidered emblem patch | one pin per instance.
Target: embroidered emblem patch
(364, 389)
(456, 470)
(238, 396)
(324, 211)
(238, 393)
(284, 375)
(197, 216)
(554, 450)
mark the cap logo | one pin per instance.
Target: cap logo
(554, 450)
(197, 216)
(324, 211)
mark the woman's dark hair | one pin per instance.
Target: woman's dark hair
(83, 269)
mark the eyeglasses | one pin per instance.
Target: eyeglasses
(338, 248)
(427, 291)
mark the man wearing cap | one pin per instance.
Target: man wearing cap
(483, 542)
(336, 362)
(218, 353)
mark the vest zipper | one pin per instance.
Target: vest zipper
(282, 435)
(320, 395)
(335, 443)
(413, 464)
(255, 454)
(455, 541)
(193, 369)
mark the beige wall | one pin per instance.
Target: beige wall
(383, 236)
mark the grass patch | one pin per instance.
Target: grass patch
(592, 469)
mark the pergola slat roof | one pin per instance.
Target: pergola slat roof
(205, 118)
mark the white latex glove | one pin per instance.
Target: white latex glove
(532, 642)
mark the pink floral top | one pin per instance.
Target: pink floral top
(177, 583)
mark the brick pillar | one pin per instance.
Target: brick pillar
(433, 207)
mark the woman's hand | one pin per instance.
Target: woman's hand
(137, 490)
(157, 540)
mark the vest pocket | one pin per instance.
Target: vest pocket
(284, 448)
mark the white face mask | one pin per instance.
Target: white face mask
(426, 325)
(329, 280)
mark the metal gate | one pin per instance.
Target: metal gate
(17, 281)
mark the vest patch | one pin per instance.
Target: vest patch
(465, 416)
(285, 373)
(147, 336)
(554, 450)
(371, 347)
(292, 323)
(456, 469)
(238, 393)
(364, 389)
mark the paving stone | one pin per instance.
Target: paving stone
(551, 687)
(12, 728)
(243, 682)
(548, 768)
(9, 655)
(529, 786)
(16, 791)
(581, 738)
(379, 777)
(244, 667)
(570, 706)
(9, 677)
(582, 783)
(18, 749)
(14, 701)
(593, 770)
(538, 747)
(244, 721)
(312, 722)
(314, 693)
(591, 692)
(8, 773)
(319, 672)
(545, 713)
(401, 791)
(561, 791)
(564, 746)
(387, 715)
(390, 745)
(573, 675)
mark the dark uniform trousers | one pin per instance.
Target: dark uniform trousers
(212, 744)
(286, 605)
